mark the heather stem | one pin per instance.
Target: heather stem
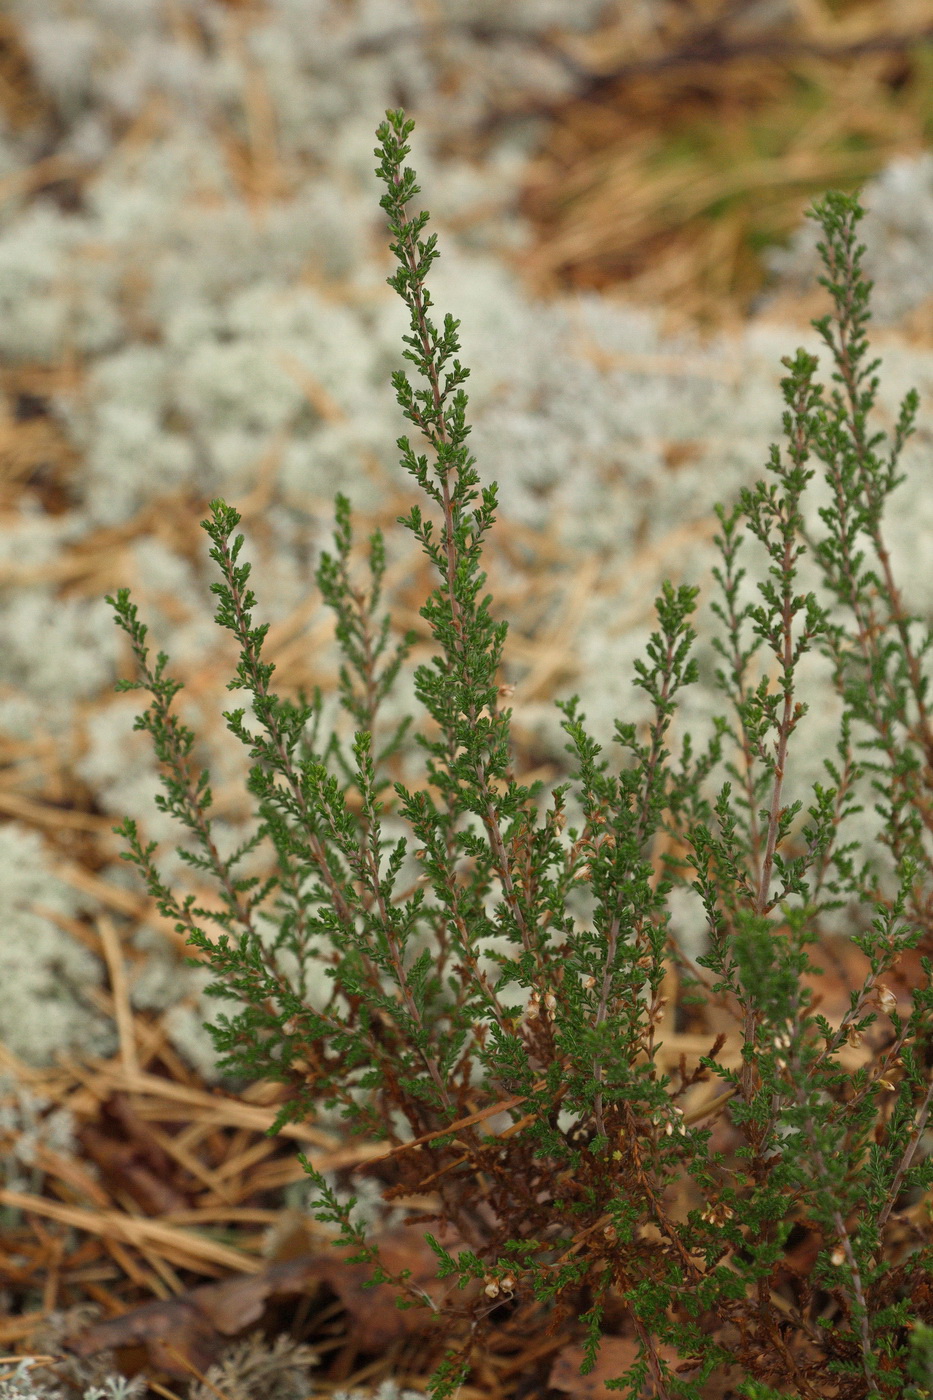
(440, 435)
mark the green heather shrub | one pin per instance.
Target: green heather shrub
(494, 954)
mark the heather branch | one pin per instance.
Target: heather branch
(845, 1242)
(734, 682)
(904, 1165)
(429, 355)
(850, 292)
(188, 798)
(370, 856)
(778, 629)
(860, 484)
(253, 673)
(669, 649)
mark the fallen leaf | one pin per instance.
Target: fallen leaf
(801, 1255)
(616, 1355)
(122, 1170)
(378, 1321)
(191, 1328)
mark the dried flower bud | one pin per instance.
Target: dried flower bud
(886, 1083)
(508, 1283)
(550, 1000)
(885, 999)
(506, 691)
(717, 1214)
(853, 1037)
(838, 1256)
(589, 983)
(492, 1289)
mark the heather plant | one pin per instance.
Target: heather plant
(474, 970)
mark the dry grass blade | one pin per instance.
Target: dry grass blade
(687, 149)
(192, 1248)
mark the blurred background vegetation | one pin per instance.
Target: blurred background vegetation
(692, 145)
(689, 135)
